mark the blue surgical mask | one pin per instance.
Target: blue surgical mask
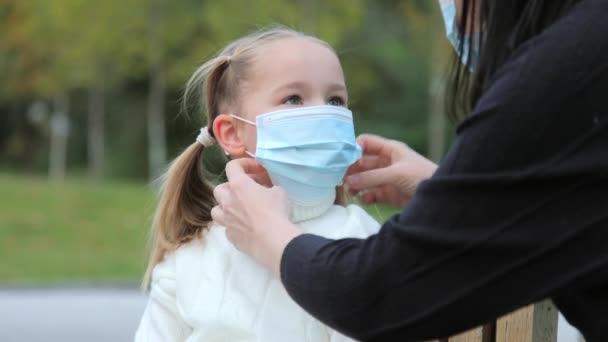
(448, 8)
(306, 150)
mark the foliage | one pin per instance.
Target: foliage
(66, 46)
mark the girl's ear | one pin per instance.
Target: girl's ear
(225, 131)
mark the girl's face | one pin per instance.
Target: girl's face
(288, 73)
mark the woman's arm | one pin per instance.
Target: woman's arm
(516, 212)
(452, 261)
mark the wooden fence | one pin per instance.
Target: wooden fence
(535, 323)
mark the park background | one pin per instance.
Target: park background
(90, 110)
(90, 115)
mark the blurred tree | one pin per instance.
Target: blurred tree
(172, 30)
(386, 63)
(331, 20)
(106, 50)
(437, 111)
(36, 38)
(422, 19)
(69, 44)
(157, 147)
(60, 129)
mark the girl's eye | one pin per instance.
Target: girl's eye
(336, 101)
(293, 100)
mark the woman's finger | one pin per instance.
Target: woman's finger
(374, 145)
(261, 178)
(370, 179)
(382, 195)
(217, 214)
(368, 163)
(222, 193)
(241, 167)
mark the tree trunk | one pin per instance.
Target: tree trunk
(60, 126)
(156, 123)
(437, 118)
(96, 129)
(157, 146)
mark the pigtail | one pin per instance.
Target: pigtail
(184, 209)
(186, 198)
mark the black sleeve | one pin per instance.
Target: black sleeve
(517, 211)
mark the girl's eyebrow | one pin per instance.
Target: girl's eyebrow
(296, 85)
(299, 85)
(337, 87)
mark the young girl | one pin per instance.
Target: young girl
(278, 96)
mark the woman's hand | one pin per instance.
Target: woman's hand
(389, 171)
(256, 217)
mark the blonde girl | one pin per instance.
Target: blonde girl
(278, 96)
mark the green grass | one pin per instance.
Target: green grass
(77, 230)
(72, 231)
(380, 212)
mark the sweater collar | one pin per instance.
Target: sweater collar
(301, 212)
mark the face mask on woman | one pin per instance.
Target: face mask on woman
(470, 40)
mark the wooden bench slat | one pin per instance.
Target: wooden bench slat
(475, 335)
(534, 323)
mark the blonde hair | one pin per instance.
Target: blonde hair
(186, 198)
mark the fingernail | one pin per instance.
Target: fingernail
(354, 180)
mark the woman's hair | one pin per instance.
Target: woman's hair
(186, 198)
(504, 26)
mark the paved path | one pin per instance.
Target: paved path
(69, 314)
(91, 315)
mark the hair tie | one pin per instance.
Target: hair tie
(204, 138)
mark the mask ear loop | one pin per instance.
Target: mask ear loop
(244, 120)
(249, 122)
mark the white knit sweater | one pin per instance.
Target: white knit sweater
(209, 291)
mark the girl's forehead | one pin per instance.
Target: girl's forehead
(301, 47)
(296, 57)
